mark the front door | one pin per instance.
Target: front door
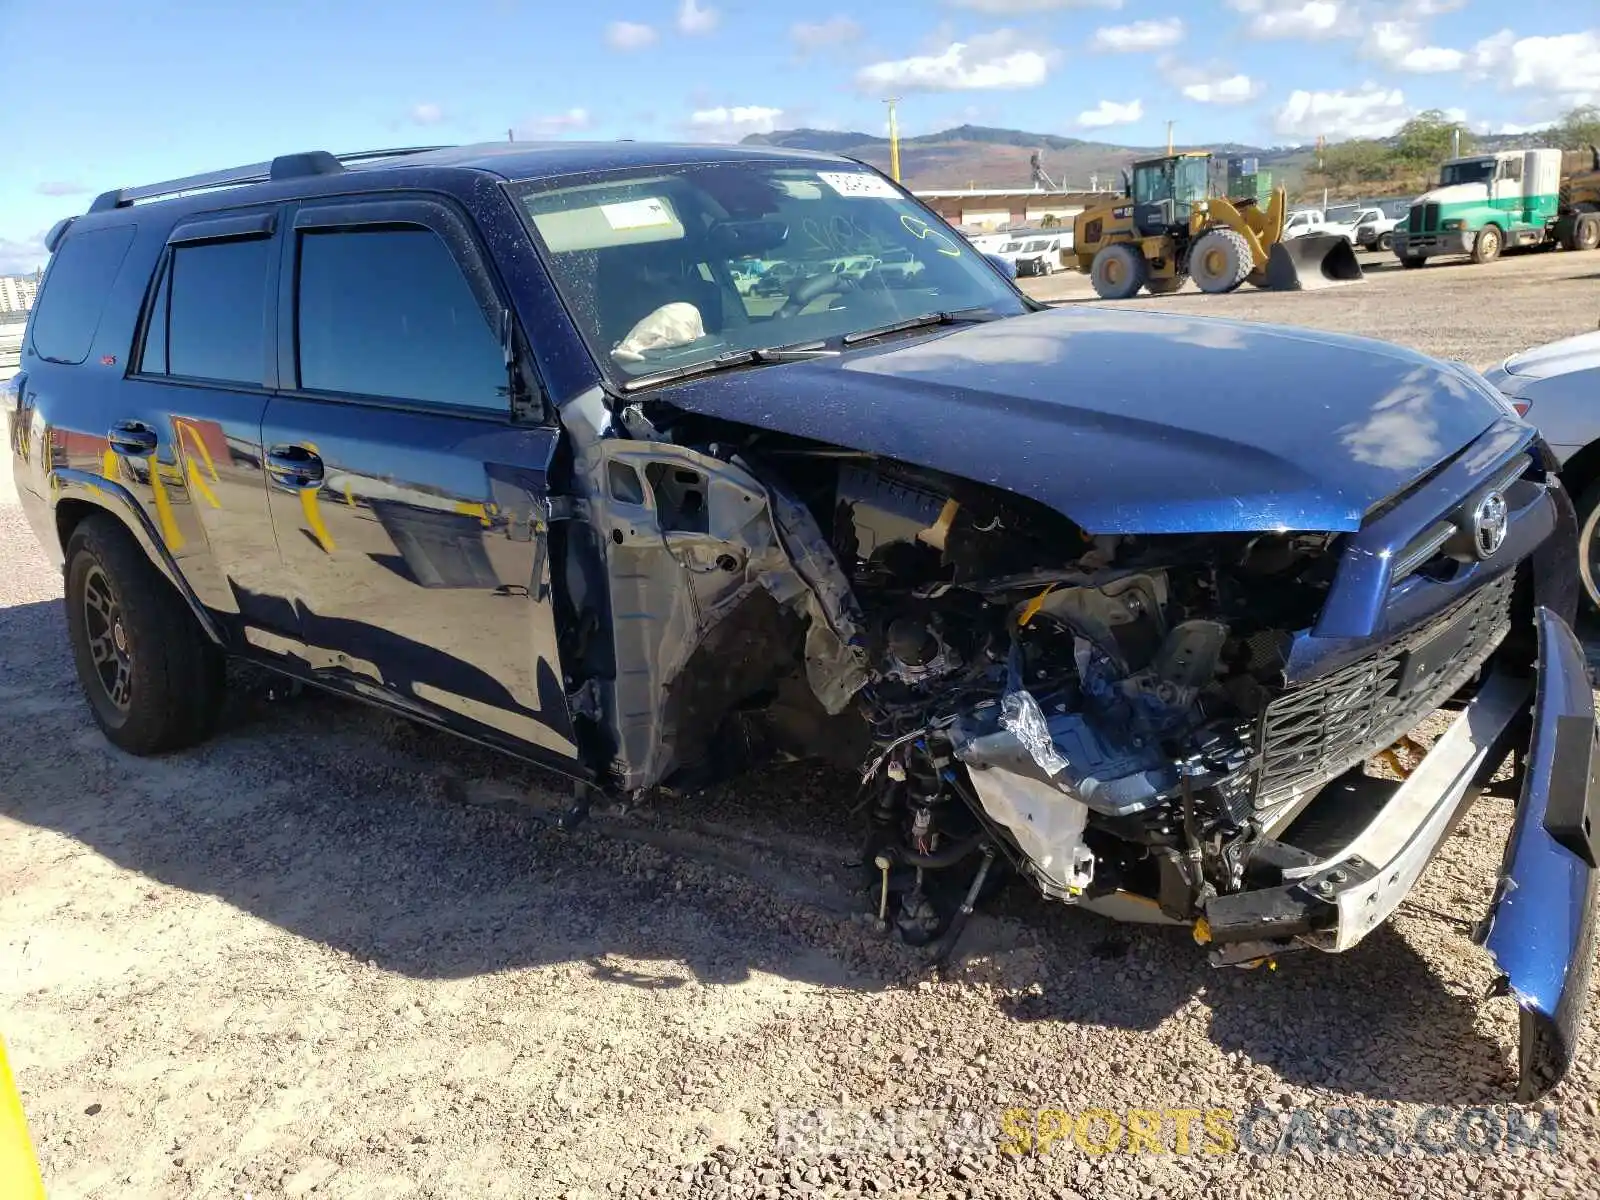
(410, 508)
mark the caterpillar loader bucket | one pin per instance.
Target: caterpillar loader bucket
(1313, 261)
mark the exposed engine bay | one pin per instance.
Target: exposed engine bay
(1006, 686)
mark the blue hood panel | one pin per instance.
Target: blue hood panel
(1133, 422)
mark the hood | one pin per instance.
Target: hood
(1133, 422)
(1456, 193)
(1581, 353)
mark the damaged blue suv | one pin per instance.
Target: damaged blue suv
(1120, 604)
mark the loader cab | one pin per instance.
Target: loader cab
(1165, 191)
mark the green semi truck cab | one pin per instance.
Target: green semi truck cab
(1485, 203)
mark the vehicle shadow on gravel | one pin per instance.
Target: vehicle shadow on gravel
(400, 846)
(427, 856)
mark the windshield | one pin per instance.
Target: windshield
(1479, 170)
(645, 259)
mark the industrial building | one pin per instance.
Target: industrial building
(1003, 208)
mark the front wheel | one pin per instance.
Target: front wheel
(1386, 242)
(1487, 246)
(1118, 271)
(152, 678)
(1220, 261)
(1588, 506)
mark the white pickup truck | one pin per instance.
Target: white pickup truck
(1374, 229)
(1313, 220)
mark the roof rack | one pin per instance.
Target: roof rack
(285, 166)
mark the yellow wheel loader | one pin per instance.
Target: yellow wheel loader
(1167, 227)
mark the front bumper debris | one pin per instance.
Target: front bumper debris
(1541, 926)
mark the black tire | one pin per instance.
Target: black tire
(1487, 245)
(1588, 508)
(1412, 261)
(1118, 271)
(153, 680)
(1165, 287)
(1219, 261)
(1386, 242)
(1586, 231)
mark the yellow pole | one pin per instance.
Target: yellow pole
(894, 140)
(19, 1169)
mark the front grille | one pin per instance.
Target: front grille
(1423, 218)
(1321, 729)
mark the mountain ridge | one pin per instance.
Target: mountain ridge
(984, 156)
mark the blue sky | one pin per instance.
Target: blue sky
(116, 92)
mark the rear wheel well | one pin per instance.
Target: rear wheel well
(69, 513)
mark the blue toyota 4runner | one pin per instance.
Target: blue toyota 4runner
(1117, 602)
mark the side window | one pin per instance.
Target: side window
(75, 292)
(1511, 168)
(208, 320)
(387, 312)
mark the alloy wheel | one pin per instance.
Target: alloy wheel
(108, 638)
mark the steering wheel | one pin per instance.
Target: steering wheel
(812, 289)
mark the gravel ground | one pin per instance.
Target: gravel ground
(332, 954)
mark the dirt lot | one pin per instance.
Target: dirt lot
(330, 954)
(1450, 308)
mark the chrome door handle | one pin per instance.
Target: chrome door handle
(132, 439)
(295, 468)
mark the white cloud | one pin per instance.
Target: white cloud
(570, 121)
(1141, 35)
(990, 61)
(1291, 18)
(1397, 44)
(425, 114)
(1110, 112)
(725, 124)
(1012, 7)
(1230, 89)
(819, 35)
(693, 19)
(629, 35)
(1369, 111)
(1564, 66)
(22, 258)
(61, 188)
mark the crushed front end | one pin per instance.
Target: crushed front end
(1182, 728)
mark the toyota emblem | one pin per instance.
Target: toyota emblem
(1489, 521)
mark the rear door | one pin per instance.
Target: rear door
(411, 509)
(189, 435)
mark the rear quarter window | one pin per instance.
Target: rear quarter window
(67, 314)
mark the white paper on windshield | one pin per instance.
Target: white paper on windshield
(859, 183)
(638, 214)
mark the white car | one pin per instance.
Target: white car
(1556, 387)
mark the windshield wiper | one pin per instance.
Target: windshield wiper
(735, 358)
(959, 316)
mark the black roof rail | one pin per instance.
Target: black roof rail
(285, 166)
